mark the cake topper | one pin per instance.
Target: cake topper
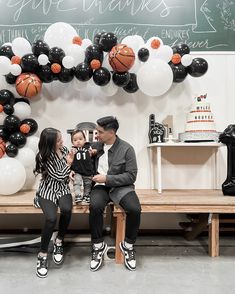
(156, 130)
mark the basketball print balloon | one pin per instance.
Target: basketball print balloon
(2, 147)
(121, 58)
(28, 85)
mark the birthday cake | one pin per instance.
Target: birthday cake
(200, 125)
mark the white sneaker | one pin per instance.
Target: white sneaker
(97, 257)
(58, 253)
(129, 256)
(42, 267)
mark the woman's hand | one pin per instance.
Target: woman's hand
(70, 157)
(71, 175)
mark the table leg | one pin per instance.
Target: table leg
(214, 236)
(159, 170)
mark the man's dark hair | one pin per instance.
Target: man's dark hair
(108, 123)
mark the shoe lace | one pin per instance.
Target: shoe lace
(94, 254)
(131, 254)
(58, 249)
(43, 262)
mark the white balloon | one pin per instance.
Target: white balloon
(110, 89)
(136, 66)
(26, 156)
(186, 59)
(77, 52)
(43, 59)
(164, 52)
(12, 177)
(5, 64)
(79, 85)
(106, 63)
(152, 51)
(32, 143)
(22, 110)
(86, 43)
(135, 42)
(30, 179)
(155, 77)
(68, 61)
(15, 69)
(21, 46)
(60, 34)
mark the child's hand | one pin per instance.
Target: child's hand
(92, 152)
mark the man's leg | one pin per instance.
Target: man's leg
(99, 200)
(131, 205)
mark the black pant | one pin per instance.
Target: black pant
(50, 213)
(130, 203)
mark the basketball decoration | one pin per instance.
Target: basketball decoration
(121, 58)
(28, 85)
(95, 64)
(77, 40)
(2, 147)
(155, 44)
(15, 59)
(1, 108)
(25, 128)
(56, 68)
(176, 58)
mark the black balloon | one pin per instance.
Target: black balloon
(18, 139)
(101, 76)
(83, 72)
(11, 123)
(29, 63)
(121, 79)
(66, 75)
(22, 99)
(132, 86)
(6, 50)
(107, 41)
(179, 72)
(45, 74)
(10, 78)
(4, 134)
(33, 125)
(8, 109)
(56, 55)
(12, 150)
(198, 67)
(143, 54)
(94, 52)
(6, 97)
(40, 47)
(96, 39)
(181, 49)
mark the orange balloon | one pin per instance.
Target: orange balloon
(56, 68)
(24, 128)
(176, 58)
(1, 108)
(155, 44)
(28, 85)
(95, 64)
(77, 40)
(15, 60)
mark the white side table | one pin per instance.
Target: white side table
(159, 147)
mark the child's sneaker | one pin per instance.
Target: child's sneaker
(86, 198)
(78, 198)
(58, 253)
(42, 266)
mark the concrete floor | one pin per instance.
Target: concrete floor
(166, 264)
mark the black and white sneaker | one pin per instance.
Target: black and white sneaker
(97, 257)
(86, 198)
(42, 266)
(58, 253)
(78, 198)
(129, 256)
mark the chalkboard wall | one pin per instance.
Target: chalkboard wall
(205, 25)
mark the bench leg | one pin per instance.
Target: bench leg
(120, 235)
(214, 236)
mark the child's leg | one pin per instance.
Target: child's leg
(87, 183)
(77, 185)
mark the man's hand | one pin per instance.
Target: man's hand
(101, 179)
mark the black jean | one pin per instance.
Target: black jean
(50, 213)
(130, 203)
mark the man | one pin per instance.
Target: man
(116, 173)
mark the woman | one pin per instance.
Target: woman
(53, 162)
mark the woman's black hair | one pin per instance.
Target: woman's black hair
(46, 145)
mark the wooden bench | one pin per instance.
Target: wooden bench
(180, 201)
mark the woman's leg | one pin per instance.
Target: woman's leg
(65, 204)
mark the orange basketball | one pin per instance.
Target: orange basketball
(77, 40)
(56, 68)
(176, 58)
(24, 128)
(155, 44)
(28, 85)
(95, 64)
(121, 58)
(15, 59)
(2, 147)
